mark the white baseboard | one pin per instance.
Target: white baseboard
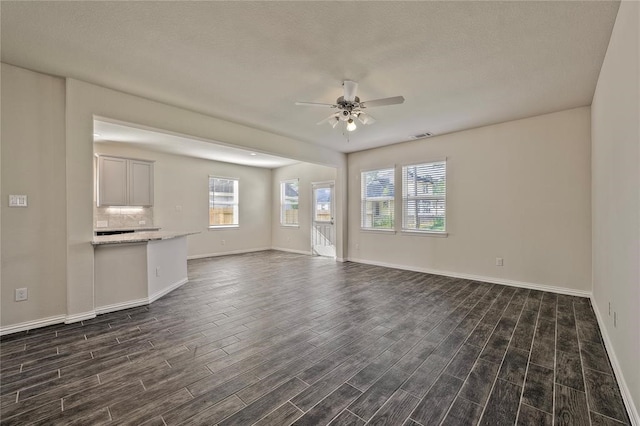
(169, 289)
(120, 306)
(29, 325)
(69, 319)
(225, 253)
(632, 410)
(493, 280)
(307, 252)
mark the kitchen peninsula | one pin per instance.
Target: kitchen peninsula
(137, 268)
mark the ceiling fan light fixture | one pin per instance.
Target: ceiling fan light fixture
(351, 125)
(334, 122)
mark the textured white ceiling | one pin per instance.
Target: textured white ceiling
(458, 64)
(162, 141)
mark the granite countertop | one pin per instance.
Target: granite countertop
(138, 237)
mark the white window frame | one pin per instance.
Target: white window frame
(364, 199)
(406, 198)
(235, 204)
(283, 203)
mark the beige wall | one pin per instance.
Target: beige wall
(518, 190)
(297, 239)
(33, 163)
(183, 181)
(616, 199)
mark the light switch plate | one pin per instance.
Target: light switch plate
(17, 201)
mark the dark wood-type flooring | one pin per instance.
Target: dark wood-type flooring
(273, 338)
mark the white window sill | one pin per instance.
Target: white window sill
(289, 226)
(425, 233)
(378, 231)
(222, 227)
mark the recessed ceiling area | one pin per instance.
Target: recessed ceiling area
(161, 141)
(459, 65)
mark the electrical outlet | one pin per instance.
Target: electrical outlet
(499, 261)
(142, 222)
(17, 201)
(21, 294)
(102, 224)
(157, 272)
(223, 242)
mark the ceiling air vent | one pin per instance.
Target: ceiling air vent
(422, 135)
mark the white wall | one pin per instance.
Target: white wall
(518, 190)
(184, 181)
(616, 199)
(33, 163)
(85, 101)
(297, 239)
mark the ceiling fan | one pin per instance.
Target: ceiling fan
(351, 108)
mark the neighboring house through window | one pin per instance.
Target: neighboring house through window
(289, 195)
(424, 188)
(223, 202)
(377, 199)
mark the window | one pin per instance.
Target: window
(424, 188)
(289, 202)
(377, 195)
(223, 202)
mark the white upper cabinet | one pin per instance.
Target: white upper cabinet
(140, 183)
(124, 182)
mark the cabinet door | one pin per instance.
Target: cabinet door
(112, 181)
(140, 183)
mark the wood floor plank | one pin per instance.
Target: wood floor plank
(329, 407)
(570, 407)
(603, 395)
(369, 343)
(396, 410)
(463, 413)
(502, 406)
(538, 388)
(478, 385)
(347, 418)
(371, 400)
(263, 406)
(529, 416)
(436, 402)
(286, 414)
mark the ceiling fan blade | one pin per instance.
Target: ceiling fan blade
(382, 102)
(317, 104)
(329, 120)
(350, 88)
(366, 118)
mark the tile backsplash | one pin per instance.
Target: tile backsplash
(123, 217)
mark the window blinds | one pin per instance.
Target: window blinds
(424, 188)
(377, 199)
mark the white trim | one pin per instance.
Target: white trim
(225, 253)
(417, 233)
(292, 250)
(632, 410)
(493, 280)
(388, 231)
(341, 259)
(120, 306)
(69, 319)
(28, 325)
(158, 295)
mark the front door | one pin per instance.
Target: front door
(323, 233)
